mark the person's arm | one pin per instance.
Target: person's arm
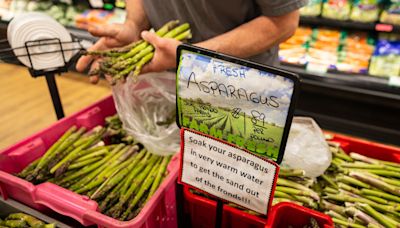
(246, 40)
(117, 35)
(255, 36)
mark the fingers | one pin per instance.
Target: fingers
(94, 79)
(104, 30)
(84, 61)
(151, 37)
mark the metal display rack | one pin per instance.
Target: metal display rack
(7, 54)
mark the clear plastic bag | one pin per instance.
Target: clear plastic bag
(306, 148)
(147, 109)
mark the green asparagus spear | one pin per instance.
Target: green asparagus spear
(118, 208)
(32, 221)
(160, 174)
(95, 166)
(145, 186)
(64, 163)
(364, 177)
(377, 193)
(384, 220)
(118, 177)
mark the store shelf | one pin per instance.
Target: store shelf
(360, 105)
(352, 25)
(355, 83)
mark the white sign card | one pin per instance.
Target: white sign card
(227, 172)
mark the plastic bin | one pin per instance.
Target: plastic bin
(289, 214)
(160, 211)
(10, 206)
(201, 210)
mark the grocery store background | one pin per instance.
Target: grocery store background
(348, 57)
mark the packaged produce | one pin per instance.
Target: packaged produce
(323, 50)
(313, 8)
(391, 14)
(355, 53)
(120, 177)
(386, 59)
(365, 10)
(23, 220)
(92, 17)
(336, 9)
(119, 63)
(294, 49)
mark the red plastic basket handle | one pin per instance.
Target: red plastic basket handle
(64, 201)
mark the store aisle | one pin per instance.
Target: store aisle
(25, 103)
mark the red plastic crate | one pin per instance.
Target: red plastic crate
(201, 210)
(289, 214)
(160, 211)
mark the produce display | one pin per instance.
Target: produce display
(23, 220)
(336, 9)
(63, 13)
(391, 14)
(359, 191)
(313, 8)
(120, 62)
(323, 48)
(386, 58)
(355, 53)
(98, 17)
(356, 10)
(121, 177)
(356, 191)
(365, 10)
(294, 50)
(329, 49)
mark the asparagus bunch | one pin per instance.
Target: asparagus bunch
(115, 133)
(359, 191)
(119, 63)
(293, 186)
(120, 177)
(23, 220)
(58, 158)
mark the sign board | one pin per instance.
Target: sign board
(235, 118)
(241, 102)
(227, 172)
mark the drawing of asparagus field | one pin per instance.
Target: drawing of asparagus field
(232, 125)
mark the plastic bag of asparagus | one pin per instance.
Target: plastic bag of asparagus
(146, 105)
(355, 191)
(104, 164)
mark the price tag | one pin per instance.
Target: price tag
(241, 102)
(394, 81)
(317, 67)
(383, 27)
(228, 172)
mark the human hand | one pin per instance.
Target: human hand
(115, 35)
(164, 52)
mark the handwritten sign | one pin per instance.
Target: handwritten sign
(242, 104)
(227, 172)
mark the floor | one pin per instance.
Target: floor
(25, 103)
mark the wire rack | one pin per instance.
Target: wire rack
(7, 54)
